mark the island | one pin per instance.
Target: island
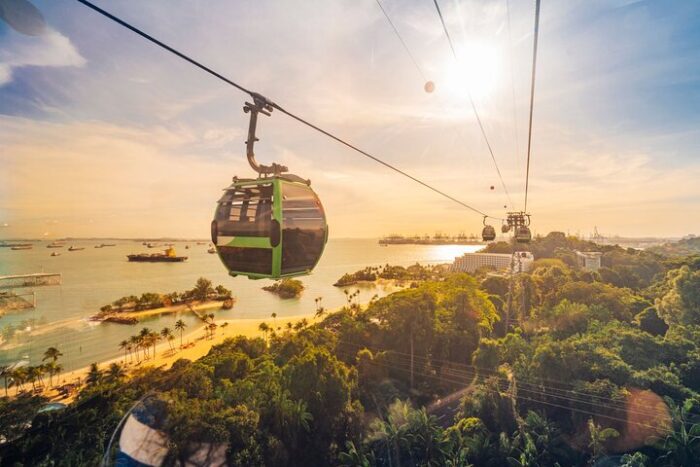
(387, 272)
(286, 288)
(131, 309)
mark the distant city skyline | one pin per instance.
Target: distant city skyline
(105, 135)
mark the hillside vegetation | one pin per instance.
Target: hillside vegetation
(562, 367)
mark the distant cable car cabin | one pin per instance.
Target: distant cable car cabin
(523, 234)
(488, 233)
(270, 227)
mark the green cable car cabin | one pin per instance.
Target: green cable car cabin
(271, 227)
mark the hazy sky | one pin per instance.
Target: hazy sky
(104, 134)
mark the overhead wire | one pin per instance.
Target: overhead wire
(299, 119)
(532, 97)
(468, 378)
(512, 85)
(471, 101)
(457, 381)
(403, 43)
(420, 71)
(540, 388)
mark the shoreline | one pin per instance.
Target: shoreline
(114, 316)
(195, 345)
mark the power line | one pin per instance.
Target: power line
(405, 46)
(455, 379)
(420, 71)
(471, 101)
(525, 385)
(276, 106)
(512, 84)
(532, 96)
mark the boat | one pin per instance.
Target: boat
(55, 245)
(22, 247)
(14, 245)
(108, 244)
(73, 248)
(168, 256)
(55, 253)
(211, 250)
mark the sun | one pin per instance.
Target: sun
(477, 71)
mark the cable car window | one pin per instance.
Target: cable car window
(303, 228)
(255, 260)
(245, 211)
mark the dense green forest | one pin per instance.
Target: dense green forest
(560, 366)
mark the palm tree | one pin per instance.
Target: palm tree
(57, 369)
(352, 457)
(682, 443)
(144, 337)
(116, 372)
(224, 325)
(166, 333)
(32, 373)
(134, 341)
(50, 368)
(153, 338)
(264, 328)
(124, 345)
(289, 325)
(212, 328)
(19, 377)
(599, 436)
(52, 353)
(180, 327)
(94, 375)
(274, 320)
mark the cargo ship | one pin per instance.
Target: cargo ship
(168, 256)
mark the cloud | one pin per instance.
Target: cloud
(51, 49)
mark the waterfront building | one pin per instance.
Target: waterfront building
(520, 261)
(589, 260)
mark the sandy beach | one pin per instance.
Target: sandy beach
(195, 344)
(180, 308)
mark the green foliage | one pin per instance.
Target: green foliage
(368, 274)
(553, 389)
(286, 288)
(17, 413)
(681, 304)
(649, 321)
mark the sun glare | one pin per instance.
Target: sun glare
(478, 71)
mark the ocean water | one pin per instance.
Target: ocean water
(95, 277)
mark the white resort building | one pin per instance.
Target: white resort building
(521, 261)
(589, 260)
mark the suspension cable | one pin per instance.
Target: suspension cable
(532, 97)
(471, 101)
(276, 106)
(512, 85)
(403, 43)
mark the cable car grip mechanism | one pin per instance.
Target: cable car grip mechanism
(263, 105)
